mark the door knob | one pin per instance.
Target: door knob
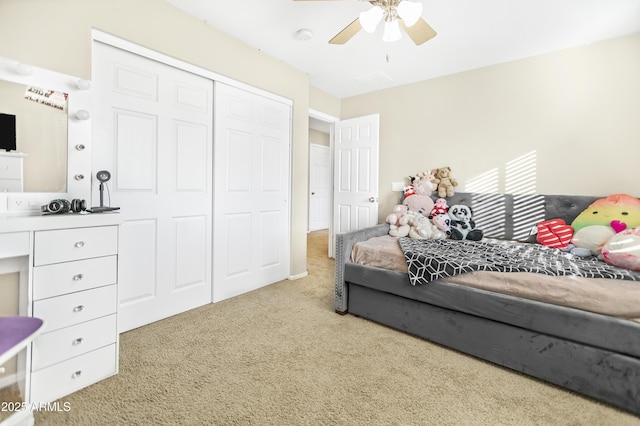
(373, 199)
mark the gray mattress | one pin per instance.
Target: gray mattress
(593, 354)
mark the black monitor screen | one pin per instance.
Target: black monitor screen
(7, 132)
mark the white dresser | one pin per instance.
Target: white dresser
(11, 171)
(73, 286)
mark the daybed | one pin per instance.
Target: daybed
(594, 354)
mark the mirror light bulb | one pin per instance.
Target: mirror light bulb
(83, 84)
(24, 69)
(82, 114)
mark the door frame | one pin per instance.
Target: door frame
(331, 120)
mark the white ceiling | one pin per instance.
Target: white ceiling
(471, 34)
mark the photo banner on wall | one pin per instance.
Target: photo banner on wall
(51, 98)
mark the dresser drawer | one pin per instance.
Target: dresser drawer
(69, 277)
(52, 348)
(10, 185)
(74, 244)
(10, 167)
(74, 308)
(74, 374)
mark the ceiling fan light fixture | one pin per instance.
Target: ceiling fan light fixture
(370, 18)
(391, 31)
(409, 12)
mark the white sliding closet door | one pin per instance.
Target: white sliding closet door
(252, 189)
(153, 131)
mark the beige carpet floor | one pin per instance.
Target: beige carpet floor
(281, 356)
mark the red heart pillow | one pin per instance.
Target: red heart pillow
(554, 233)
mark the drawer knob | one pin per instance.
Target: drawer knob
(78, 341)
(76, 374)
(79, 244)
(78, 277)
(78, 308)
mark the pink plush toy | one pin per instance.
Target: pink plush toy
(439, 208)
(443, 223)
(417, 203)
(623, 249)
(398, 221)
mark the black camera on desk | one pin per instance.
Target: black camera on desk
(64, 206)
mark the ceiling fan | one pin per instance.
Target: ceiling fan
(395, 14)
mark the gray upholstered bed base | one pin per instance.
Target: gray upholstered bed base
(593, 354)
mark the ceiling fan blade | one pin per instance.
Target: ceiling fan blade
(349, 31)
(419, 32)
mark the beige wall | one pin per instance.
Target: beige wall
(324, 102)
(319, 138)
(56, 34)
(578, 109)
(10, 285)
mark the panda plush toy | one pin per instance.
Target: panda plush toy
(463, 226)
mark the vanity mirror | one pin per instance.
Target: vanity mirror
(52, 117)
(39, 132)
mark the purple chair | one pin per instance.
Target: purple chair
(15, 335)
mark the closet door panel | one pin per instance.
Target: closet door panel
(153, 131)
(252, 189)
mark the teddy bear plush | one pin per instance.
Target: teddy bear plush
(463, 227)
(398, 221)
(445, 181)
(422, 228)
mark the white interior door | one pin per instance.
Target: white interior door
(252, 190)
(153, 131)
(320, 179)
(355, 187)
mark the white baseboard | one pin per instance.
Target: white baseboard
(298, 276)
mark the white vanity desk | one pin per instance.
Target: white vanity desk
(68, 266)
